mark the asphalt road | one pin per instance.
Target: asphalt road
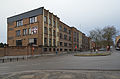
(64, 62)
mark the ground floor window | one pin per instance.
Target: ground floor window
(45, 49)
(60, 49)
(33, 41)
(65, 49)
(54, 49)
(18, 42)
(50, 49)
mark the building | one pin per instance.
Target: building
(117, 41)
(42, 28)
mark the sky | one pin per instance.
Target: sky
(85, 15)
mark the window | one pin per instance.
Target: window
(65, 44)
(45, 41)
(69, 38)
(18, 42)
(61, 44)
(60, 28)
(45, 30)
(34, 30)
(61, 35)
(50, 30)
(70, 44)
(45, 49)
(45, 19)
(19, 23)
(33, 19)
(54, 23)
(49, 49)
(54, 33)
(50, 42)
(65, 29)
(33, 41)
(50, 22)
(18, 33)
(74, 39)
(69, 31)
(24, 31)
(65, 37)
(30, 31)
(60, 49)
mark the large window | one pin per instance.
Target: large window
(19, 23)
(18, 33)
(18, 42)
(69, 31)
(69, 38)
(24, 31)
(45, 30)
(33, 41)
(33, 19)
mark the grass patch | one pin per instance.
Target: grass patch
(94, 54)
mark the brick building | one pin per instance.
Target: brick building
(42, 28)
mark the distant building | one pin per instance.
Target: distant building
(117, 41)
(42, 28)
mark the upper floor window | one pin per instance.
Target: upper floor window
(65, 37)
(19, 23)
(30, 31)
(45, 30)
(33, 19)
(65, 29)
(45, 41)
(18, 33)
(45, 19)
(69, 31)
(60, 28)
(50, 22)
(54, 23)
(24, 31)
(60, 35)
(54, 33)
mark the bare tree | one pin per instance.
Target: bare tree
(103, 37)
(109, 33)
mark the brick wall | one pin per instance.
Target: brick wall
(1, 52)
(18, 51)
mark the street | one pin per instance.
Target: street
(64, 62)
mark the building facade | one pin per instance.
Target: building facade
(42, 28)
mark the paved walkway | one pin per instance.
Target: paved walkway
(63, 74)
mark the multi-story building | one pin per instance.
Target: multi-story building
(42, 28)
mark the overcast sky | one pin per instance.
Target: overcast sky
(82, 14)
